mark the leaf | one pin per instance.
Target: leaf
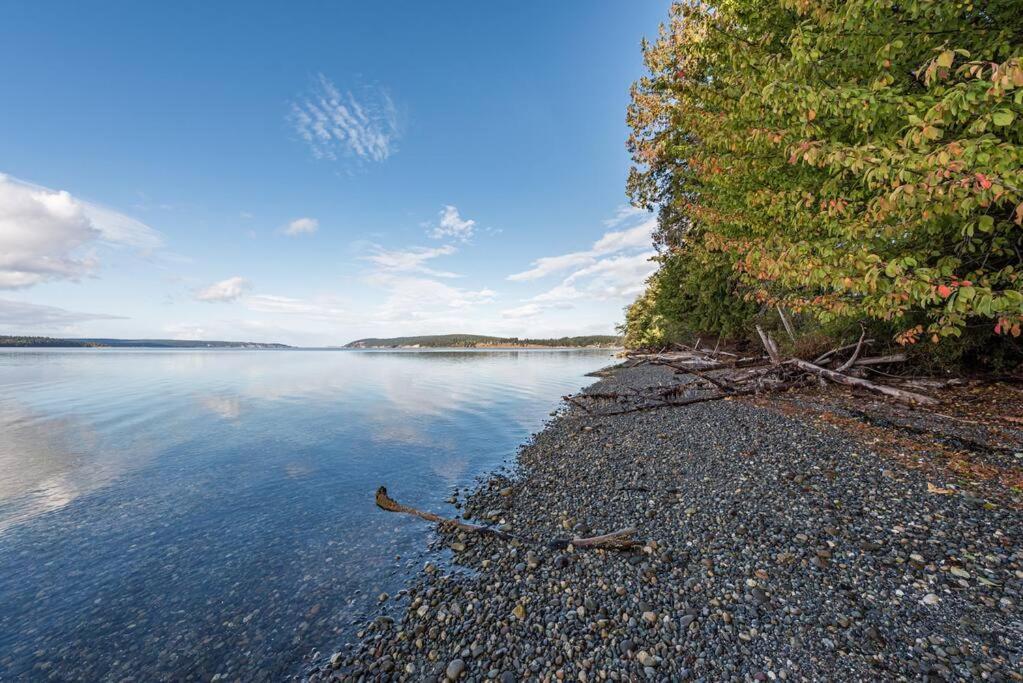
(1003, 117)
(945, 58)
(931, 488)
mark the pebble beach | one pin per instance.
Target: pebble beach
(776, 547)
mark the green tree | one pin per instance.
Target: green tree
(850, 159)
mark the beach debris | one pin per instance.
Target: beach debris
(743, 376)
(623, 539)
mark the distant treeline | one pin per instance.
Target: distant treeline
(45, 341)
(134, 343)
(482, 341)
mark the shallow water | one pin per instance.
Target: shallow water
(179, 514)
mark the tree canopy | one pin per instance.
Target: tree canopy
(846, 159)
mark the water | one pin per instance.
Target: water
(178, 514)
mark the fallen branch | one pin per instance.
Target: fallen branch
(769, 346)
(839, 378)
(882, 360)
(855, 354)
(828, 354)
(623, 539)
(385, 502)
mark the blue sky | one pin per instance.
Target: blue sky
(316, 172)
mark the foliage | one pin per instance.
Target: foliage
(848, 159)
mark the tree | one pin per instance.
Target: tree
(850, 159)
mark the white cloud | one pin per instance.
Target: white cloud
(185, 331)
(18, 317)
(410, 260)
(302, 226)
(615, 268)
(548, 265)
(525, 311)
(452, 225)
(618, 277)
(334, 123)
(422, 298)
(225, 290)
(325, 309)
(48, 235)
(637, 235)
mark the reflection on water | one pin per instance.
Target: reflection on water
(178, 514)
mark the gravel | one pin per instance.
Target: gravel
(777, 548)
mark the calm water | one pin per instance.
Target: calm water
(178, 514)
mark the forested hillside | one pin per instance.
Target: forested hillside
(481, 341)
(838, 162)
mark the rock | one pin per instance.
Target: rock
(931, 599)
(455, 669)
(458, 547)
(650, 617)
(960, 572)
(646, 659)
(336, 659)
(532, 561)
(519, 611)
(383, 597)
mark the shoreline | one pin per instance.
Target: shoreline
(780, 546)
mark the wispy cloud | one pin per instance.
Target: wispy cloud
(23, 317)
(336, 123)
(301, 226)
(325, 309)
(451, 225)
(637, 235)
(616, 266)
(226, 290)
(411, 260)
(423, 299)
(48, 235)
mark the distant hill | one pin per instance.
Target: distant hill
(8, 341)
(43, 341)
(477, 341)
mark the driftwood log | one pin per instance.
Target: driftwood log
(623, 539)
(751, 375)
(839, 378)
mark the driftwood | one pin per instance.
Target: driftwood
(385, 502)
(746, 376)
(839, 378)
(855, 354)
(769, 346)
(882, 360)
(623, 539)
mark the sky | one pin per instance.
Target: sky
(317, 172)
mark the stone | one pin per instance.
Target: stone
(455, 669)
(931, 599)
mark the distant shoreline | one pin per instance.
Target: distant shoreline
(434, 342)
